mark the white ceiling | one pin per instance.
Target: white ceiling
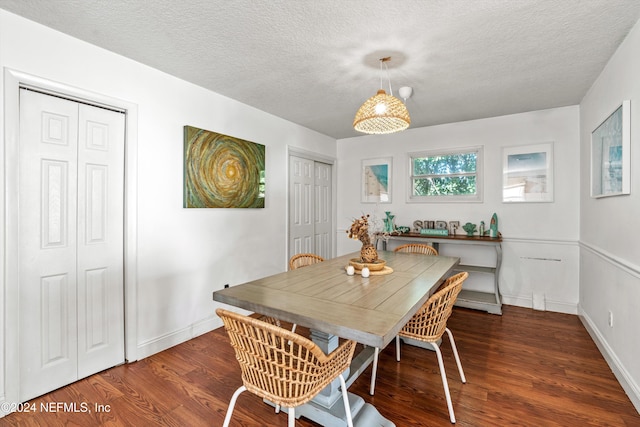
(314, 62)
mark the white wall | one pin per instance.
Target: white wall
(540, 239)
(183, 254)
(610, 248)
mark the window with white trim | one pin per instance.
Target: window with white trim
(446, 175)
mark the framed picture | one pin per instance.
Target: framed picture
(527, 173)
(376, 180)
(610, 159)
(222, 171)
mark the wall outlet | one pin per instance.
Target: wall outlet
(610, 319)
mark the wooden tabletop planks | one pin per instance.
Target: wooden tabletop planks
(323, 297)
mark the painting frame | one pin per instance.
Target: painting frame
(610, 154)
(222, 171)
(376, 180)
(527, 173)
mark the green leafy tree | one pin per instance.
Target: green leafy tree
(452, 174)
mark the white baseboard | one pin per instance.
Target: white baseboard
(156, 345)
(561, 307)
(621, 374)
(549, 305)
(518, 301)
(3, 412)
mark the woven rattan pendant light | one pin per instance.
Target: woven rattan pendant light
(382, 113)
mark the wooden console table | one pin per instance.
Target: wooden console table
(490, 302)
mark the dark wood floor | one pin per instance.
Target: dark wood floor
(525, 368)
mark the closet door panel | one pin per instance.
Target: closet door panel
(100, 239)
(47, 266)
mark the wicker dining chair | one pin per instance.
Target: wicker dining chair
(429, 324)
(282, 367)
(410, 248)
(296, 261)
(417, 248)
(303, 260)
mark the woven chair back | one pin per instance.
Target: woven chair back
(279, 365)
(430, 322)
(417, 248)
(269, 319)
(303, 260)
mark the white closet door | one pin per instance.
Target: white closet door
(301, 198)
(48, 170)
(100, 239)
(322, 210)
(310, 213)
(67, 291)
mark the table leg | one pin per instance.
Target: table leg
(327, 409)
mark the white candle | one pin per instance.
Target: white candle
(365, 272)
(351, 270)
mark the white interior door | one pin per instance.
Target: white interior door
(323, 224)
(310, 202)
(301, 188)
(71, 241)
(100, 241)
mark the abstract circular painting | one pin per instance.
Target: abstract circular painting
(221, 171)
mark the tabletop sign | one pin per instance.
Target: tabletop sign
(434, 232)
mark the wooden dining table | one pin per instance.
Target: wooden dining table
(333, 305)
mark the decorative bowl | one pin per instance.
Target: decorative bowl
(372, 266)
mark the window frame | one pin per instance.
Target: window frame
(479, 174)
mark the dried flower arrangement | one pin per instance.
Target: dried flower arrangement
(360, 231)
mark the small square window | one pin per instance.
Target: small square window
(446, 176)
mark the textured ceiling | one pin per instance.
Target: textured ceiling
(314, 62)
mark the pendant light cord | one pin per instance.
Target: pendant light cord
(389, 79)
(384, 60)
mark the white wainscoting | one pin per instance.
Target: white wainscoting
(611, 284)
(540, 274)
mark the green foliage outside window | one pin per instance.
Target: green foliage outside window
(445, 175)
